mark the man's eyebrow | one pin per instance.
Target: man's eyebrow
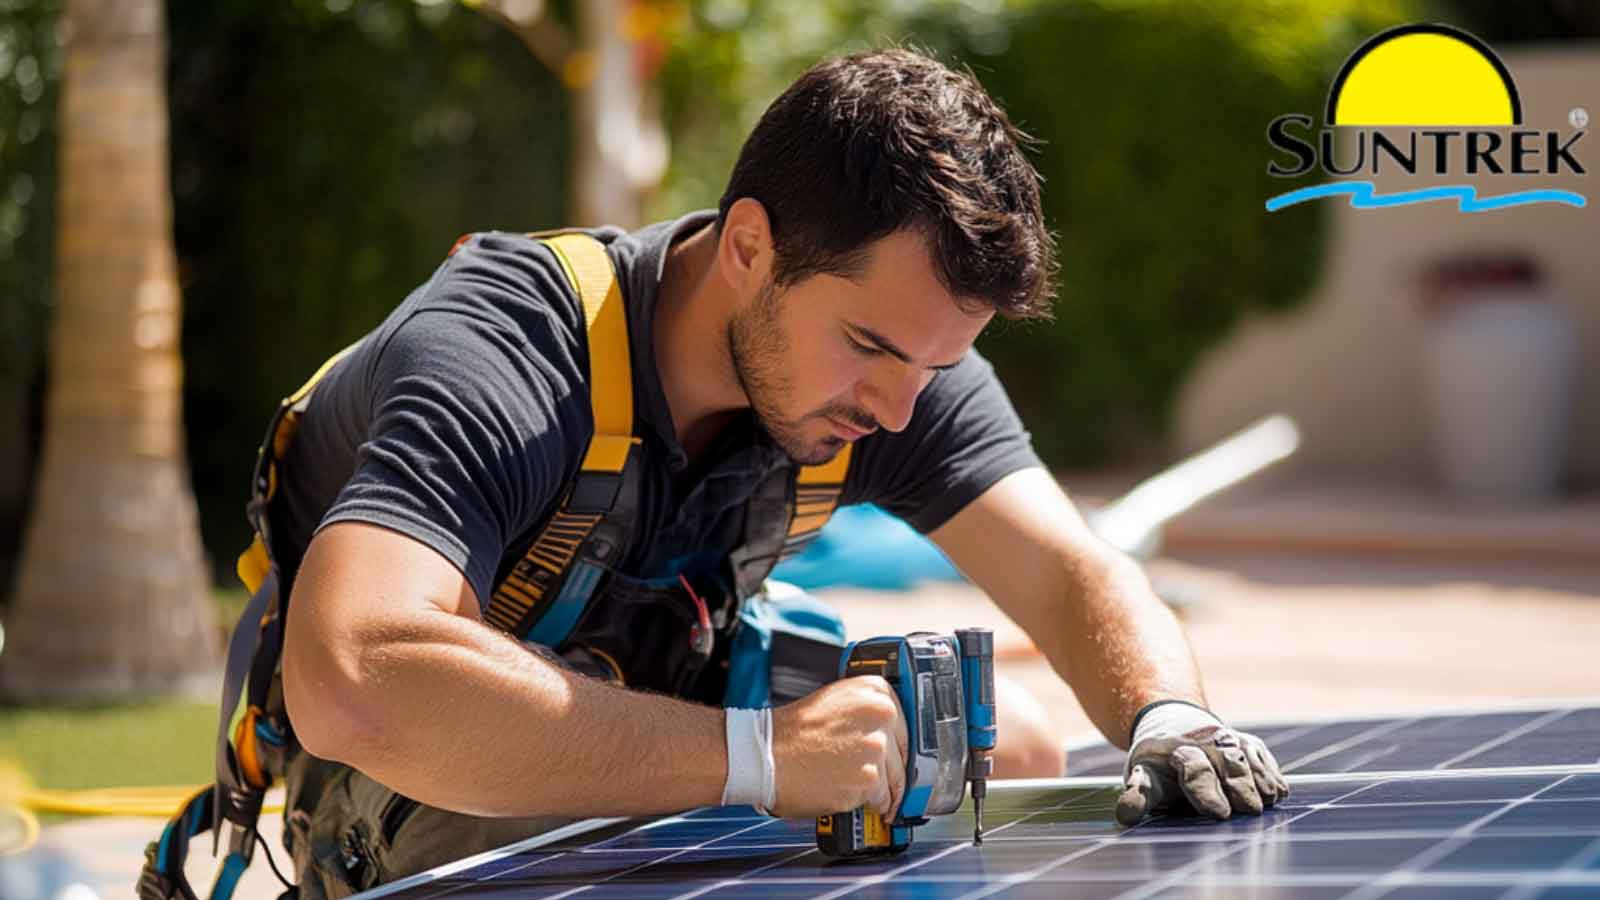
(889, 347)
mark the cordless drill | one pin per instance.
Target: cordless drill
(946, 690)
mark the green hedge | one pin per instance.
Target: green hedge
(323, 163)
(1153, 117)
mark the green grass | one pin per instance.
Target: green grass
(164, 742)
(230, 602)
(125, 745)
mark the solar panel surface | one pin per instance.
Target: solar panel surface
(1355, 828)
(1471, 741)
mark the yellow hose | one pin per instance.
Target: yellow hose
(162, 801)
(18, 796)
(19, 829)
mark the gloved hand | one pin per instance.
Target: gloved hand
(1184, 759)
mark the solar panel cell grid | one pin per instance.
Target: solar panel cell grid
(1518, 833)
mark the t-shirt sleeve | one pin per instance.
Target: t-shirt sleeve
(963, 437)
(472, 432)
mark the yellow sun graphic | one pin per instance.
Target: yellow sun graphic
(1424, 75)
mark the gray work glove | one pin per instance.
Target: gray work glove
(1184, 760)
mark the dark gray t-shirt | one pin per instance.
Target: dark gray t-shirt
(460, 418)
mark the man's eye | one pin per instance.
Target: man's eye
(861, 348)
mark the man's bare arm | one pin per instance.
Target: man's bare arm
(1087, 606)
(388, 669)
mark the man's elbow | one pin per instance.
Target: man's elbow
(323, 699)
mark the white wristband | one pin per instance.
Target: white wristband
(750, 765)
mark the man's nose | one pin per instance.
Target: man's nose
(890, 396)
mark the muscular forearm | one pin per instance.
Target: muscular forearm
(456, 715)
(1119, 647)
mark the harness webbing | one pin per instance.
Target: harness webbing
(521, 596)
(817, 490)
(610, 362)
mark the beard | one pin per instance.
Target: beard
(759, 347)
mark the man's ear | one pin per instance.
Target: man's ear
(744, 249)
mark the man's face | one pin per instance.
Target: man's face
(829, 360)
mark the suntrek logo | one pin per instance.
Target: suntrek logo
(1463, 114)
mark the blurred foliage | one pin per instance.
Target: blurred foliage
(326, 153)
(1497, 22)
(325, 156)
(1152, 115)
(30, 75)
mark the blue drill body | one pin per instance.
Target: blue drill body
(945, 686)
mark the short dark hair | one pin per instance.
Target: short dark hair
(862, 146)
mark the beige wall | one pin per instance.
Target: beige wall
(1346, 365)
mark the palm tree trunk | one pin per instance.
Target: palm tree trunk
(619, 144)
(112, 597)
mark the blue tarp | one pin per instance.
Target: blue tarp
(863, 546)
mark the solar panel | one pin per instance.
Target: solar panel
(1352, 828)
(1470, 741)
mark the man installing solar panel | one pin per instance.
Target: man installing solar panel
(526, 523)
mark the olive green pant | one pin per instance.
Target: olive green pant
(347, 833)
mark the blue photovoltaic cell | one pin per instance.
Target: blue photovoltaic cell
(1579, 787)
(1494, 831)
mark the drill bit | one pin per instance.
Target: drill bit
(979, 790)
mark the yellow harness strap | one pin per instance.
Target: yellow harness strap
(588, 269)
(816, 494)
(610, 362)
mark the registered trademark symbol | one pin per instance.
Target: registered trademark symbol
(1579, 117)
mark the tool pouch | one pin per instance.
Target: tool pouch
(350, 833)
(787, 645)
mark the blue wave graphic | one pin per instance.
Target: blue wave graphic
(1364, 196)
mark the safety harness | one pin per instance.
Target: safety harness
(539, 599)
